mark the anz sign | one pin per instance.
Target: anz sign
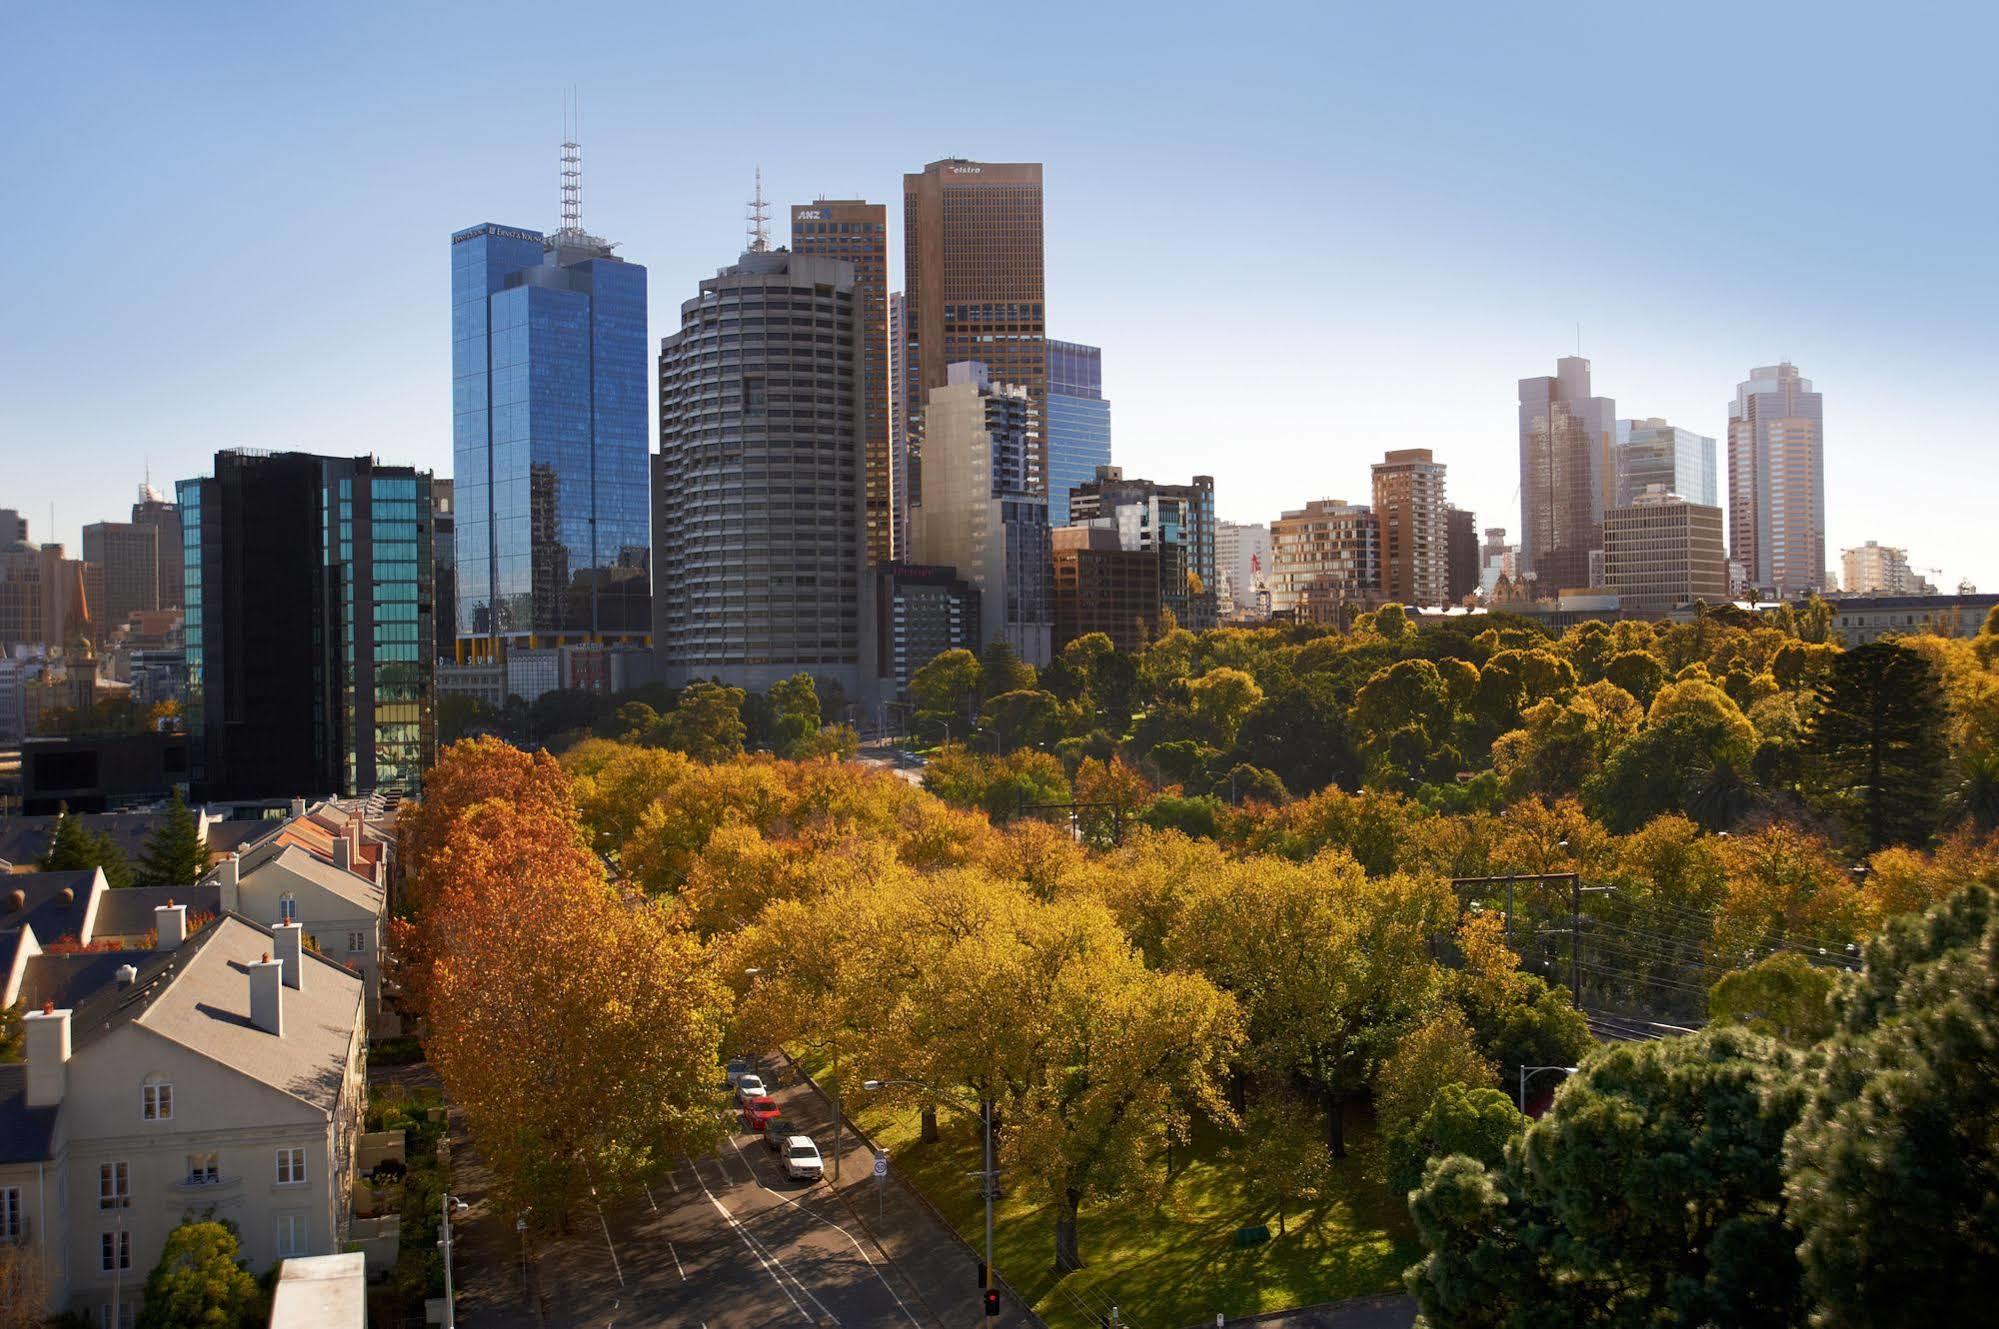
(808, 214)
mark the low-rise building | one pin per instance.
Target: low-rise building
(1858, 620)
(1101, 586)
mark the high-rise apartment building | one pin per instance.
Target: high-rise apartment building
(847, 228)
(900, 406)
(1461, 554)
(549, 425)
(444, 562)
(760, 485)
(920, 613)
(1077, 422)
(1176, 522)
(1661, 552)
(1567, 477)
(1242, 566)
(127, 556)
(1409, 504)
(972, 276)
(1653, 452)
(1878, 569)
(156, 510)
(982, 510)
(1776, 481)
(1100, 586)
(1323, 557)
(309, 630)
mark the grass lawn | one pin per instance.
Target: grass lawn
(1171, 1262)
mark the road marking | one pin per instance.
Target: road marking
(769, 1262)
(676, 1261)
(649, 1200)
(813, 1213)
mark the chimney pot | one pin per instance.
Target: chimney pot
(48, 1008)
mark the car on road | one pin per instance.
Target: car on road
(778, 1132)
(801, 1159)
(758, 1113)
(749, 1086)
(738, 1068)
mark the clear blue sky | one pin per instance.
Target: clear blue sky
(1302, 234)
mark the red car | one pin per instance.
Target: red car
(758, 1113)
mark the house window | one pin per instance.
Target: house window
(291, 1235)
(291, 1167)
(10, 1213)
(115, 1250)
(204, 1169)
(158, 1103)
(127, 1314)
(357, 941)
(287, 908)
(114, 1186)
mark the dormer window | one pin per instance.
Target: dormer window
(157, 1100)
(287, 908)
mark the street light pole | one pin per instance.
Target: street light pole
(990, 1176)
(444, 1207)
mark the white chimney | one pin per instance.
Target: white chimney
(45, 1036)
(343, 853)
(229, 876)
(169, 926)
(298, 808)
(266, 981)
(287, 944)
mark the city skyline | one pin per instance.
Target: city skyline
(1446, 284)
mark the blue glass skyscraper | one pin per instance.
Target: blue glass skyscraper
(1078, 422)
(549, 386)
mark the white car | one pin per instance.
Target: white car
(748, 1087)
(801, 1159)
(737, 1069)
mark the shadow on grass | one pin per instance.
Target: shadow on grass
(1168, 1260)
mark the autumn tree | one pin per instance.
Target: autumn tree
(201, 1280)
(1282, 1164)
(1116, 792)
(1221, 700)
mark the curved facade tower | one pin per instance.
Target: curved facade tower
(760, 487)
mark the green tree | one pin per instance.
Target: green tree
(1279, 1158)
(1879, 739)
(200, 1283)
(706, 723)
(1459, 1120)
(1784, 996)
(1002, 670)
(794, 704)
(1222, 700)
(1894, 1167)
(174, 853)
(1651, 1194)
(73, 848)
(946, 689)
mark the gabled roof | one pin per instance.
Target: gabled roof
(359, 891)
(23, 840)
(54, 904)
(129, 912)
(69, 980)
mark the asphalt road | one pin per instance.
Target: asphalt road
(720, 1242)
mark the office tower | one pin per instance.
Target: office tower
(1566, 475)
(444, 564)
(127, 556)
(1176, 522)
(548, 363)
(1496, 559)
(900, 404)
(981, 509)
(858, 232)
(1323, 557)
(44, 595)
(1878, 569)
(1776, 481)
(1661, 552)
(1461, 571)
(13, 528)
(156, 510)
(1409, 504)
(760, 485)
(1077, 422)
(921, 612)
(309, 626)
(972, 275)
(1242, 564)
(1652, 452)
(1100, 586)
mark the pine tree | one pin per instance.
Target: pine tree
(174, 856)
(1879, 735)
(73, 848)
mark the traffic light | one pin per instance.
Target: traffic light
(992, 1302)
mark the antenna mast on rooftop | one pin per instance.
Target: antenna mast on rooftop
(572, 167)
(759, 218)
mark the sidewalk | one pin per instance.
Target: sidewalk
(930, 1254)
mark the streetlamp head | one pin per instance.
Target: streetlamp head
(753, 971)
(871, 1084)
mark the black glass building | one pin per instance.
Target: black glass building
(309, 629)
(549, 433)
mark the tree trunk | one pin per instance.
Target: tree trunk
(1067, 1257)
(928, 1131)
(1280, 1220)
(1336, 1123)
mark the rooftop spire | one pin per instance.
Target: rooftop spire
(572, 165)
(759, 218)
